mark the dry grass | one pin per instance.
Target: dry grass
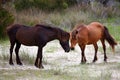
(59, 65)
(67, 18)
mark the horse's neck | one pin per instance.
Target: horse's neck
(59, 34)
(62, 35)
(53, 35)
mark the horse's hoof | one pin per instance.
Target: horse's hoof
(36, 65)
(105, 60)
(41, 67)
(20, 64)
(11, 63)
(85, 60)
(94, 61)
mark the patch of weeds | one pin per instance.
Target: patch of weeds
(44, 61)
(57, 71)
(106, 75)
(118, 66)
(26, 57)
(60, 74)
(19, 74)
(50, 49)
(87, 72)
(4, 57)
(4, 53)
(117, 49)
(3, 41)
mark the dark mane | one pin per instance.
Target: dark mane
(49, 27)
(44, 26)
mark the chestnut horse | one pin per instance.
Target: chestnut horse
(90, 34)
(38, 35)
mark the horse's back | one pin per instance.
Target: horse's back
(95, 31)
(96, 25)
(33, 36)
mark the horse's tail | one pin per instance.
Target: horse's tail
(109, 38)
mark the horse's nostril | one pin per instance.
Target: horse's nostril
(72, 48)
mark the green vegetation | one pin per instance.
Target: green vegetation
(6, 19)
(43, 4)
(25, 57)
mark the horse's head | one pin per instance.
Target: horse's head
(73, 39)
(64, 41)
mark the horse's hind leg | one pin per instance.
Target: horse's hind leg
(17, 53)
(96, 49)
(12, 43)
(104, 49)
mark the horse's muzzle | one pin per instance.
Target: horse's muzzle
(72, 48)
(67, 50)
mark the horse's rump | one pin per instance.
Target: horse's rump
(12, 30)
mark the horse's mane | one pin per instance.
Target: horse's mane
(78, 26)
(76, 29)
(48, 27)
(57, 30)
(45, 26)
(41, 25)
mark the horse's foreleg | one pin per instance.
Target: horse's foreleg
(104, 49)
(11, 51)
(17, 53)
(83, 58)
(96, 49)
(38, 62)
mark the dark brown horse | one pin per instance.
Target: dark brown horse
(90, 34)
(38, 35)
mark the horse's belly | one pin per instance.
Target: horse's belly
(26, 39)
(93, 40)
(26, 42)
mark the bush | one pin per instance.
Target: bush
(5, 20)
(23, 4)
(43, 4)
